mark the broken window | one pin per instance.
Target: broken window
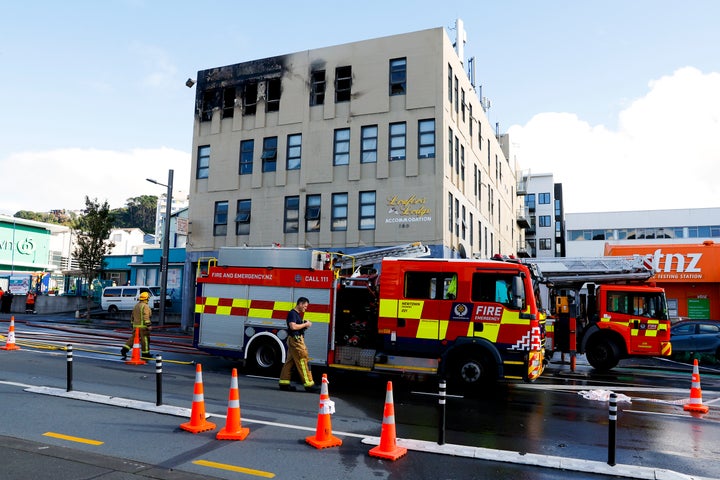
(250, 92)
(317, 87)
(398, 75)
(273, 95)
(343, 83)
(228, 102)
(208, 104)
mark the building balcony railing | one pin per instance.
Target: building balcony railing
(525, 250)
(522, 218)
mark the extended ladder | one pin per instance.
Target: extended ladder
(371, 257)
(566, 271)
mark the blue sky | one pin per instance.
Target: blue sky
(620, 100)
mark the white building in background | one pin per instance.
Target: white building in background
(587, 233)
(545, 215)
(128, 241)
(180, 201)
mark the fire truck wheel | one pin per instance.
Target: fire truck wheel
(264, 358)
(470, 371)
(602, 353)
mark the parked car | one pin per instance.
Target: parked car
(696, 336)
(125, 297)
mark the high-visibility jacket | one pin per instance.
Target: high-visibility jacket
(140, 317)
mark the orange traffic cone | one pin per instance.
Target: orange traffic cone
(136, 359)
(323, 432)
(388, 449)
(232, 429)
(197, 421)
(695, 404)
(10, 343)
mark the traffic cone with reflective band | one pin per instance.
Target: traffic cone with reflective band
(10, 343)
(388, 448)
(323, 433)
(233, 429)
(695, 404)
(197, 422)
(136, 358)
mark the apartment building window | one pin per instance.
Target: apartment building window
(457, 219)
(341, 147)
(472, 230)
(250, 91)
(544, 220)
(450, 213)
(457, 97)
(294, 151)
(343, 84)
(462, 162)
(450, 148)
(530, 201)
(545, 244)
(247, 150)
(220, 219)
(463, 225)
(426, 138)
(228, 102)
(339, 215)
(457, 156)
(242, 219)
(558, 209)
(398, 76)
(462, 103)
(272, 93)
(292, 214)
(470, 123)
(475, 180)
(317, 87)
(203, 162)
(450, 77)
(367, 211)
(208, 104)
(397, 141)
(312, 213)
(368, 144)
(543, 198)
(269, 155)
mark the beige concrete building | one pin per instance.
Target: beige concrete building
(373, 143)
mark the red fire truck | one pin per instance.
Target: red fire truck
(471, 321)
(604, 307)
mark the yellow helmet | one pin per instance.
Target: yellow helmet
(144, 296)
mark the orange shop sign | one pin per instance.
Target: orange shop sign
(676, 262)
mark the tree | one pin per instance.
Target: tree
(92, 230)
(139, 212)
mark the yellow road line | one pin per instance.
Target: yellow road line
(72, 439)
(233, 468)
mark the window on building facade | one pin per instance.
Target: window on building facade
(343, 84)
(457, 217)
(269, 154)
(530, 201)
(449, 80)
(463, 225)
(462, 103)
(294, 151)
(203, 162)
(341, 147)
(367, 211)
(558, 209)
(242, 219)
(426, 138)
(472, 228)
(247, 150)
(397, 141)
(338, 222)
(250, 91)
(457, 156)
(272, 93)
(451, 219)
(368, 144)
(292, 214)
(312, 213)
(207, 105)
(462, 162)
(228, 102)
(317, 87)
(450, 148)
(544, 220)
(398, 76)
(220, 219)
(457, 96)
(470, 123)
(543, 198)
(545, 244)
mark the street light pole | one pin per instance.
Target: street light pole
(165, 245)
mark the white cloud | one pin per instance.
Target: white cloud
(664, 154)
(41, 181)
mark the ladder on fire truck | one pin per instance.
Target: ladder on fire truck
(576, 271)
(410, 250)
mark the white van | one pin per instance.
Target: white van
(115, 299)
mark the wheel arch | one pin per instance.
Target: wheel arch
(464, 346)
(594, 332)
(264, 337)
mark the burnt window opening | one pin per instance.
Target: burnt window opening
(398, 76)
(273, 95)
(209, 102)
(343, 84)
(317, 87)
(228, 102)
(250, 93)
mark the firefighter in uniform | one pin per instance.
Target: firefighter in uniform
(297, 351)
(140, 319)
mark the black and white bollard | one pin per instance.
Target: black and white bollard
(612, 429)
(69, 368)
(158, 379)
(441, 411)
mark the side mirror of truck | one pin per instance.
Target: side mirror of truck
(518, 293)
